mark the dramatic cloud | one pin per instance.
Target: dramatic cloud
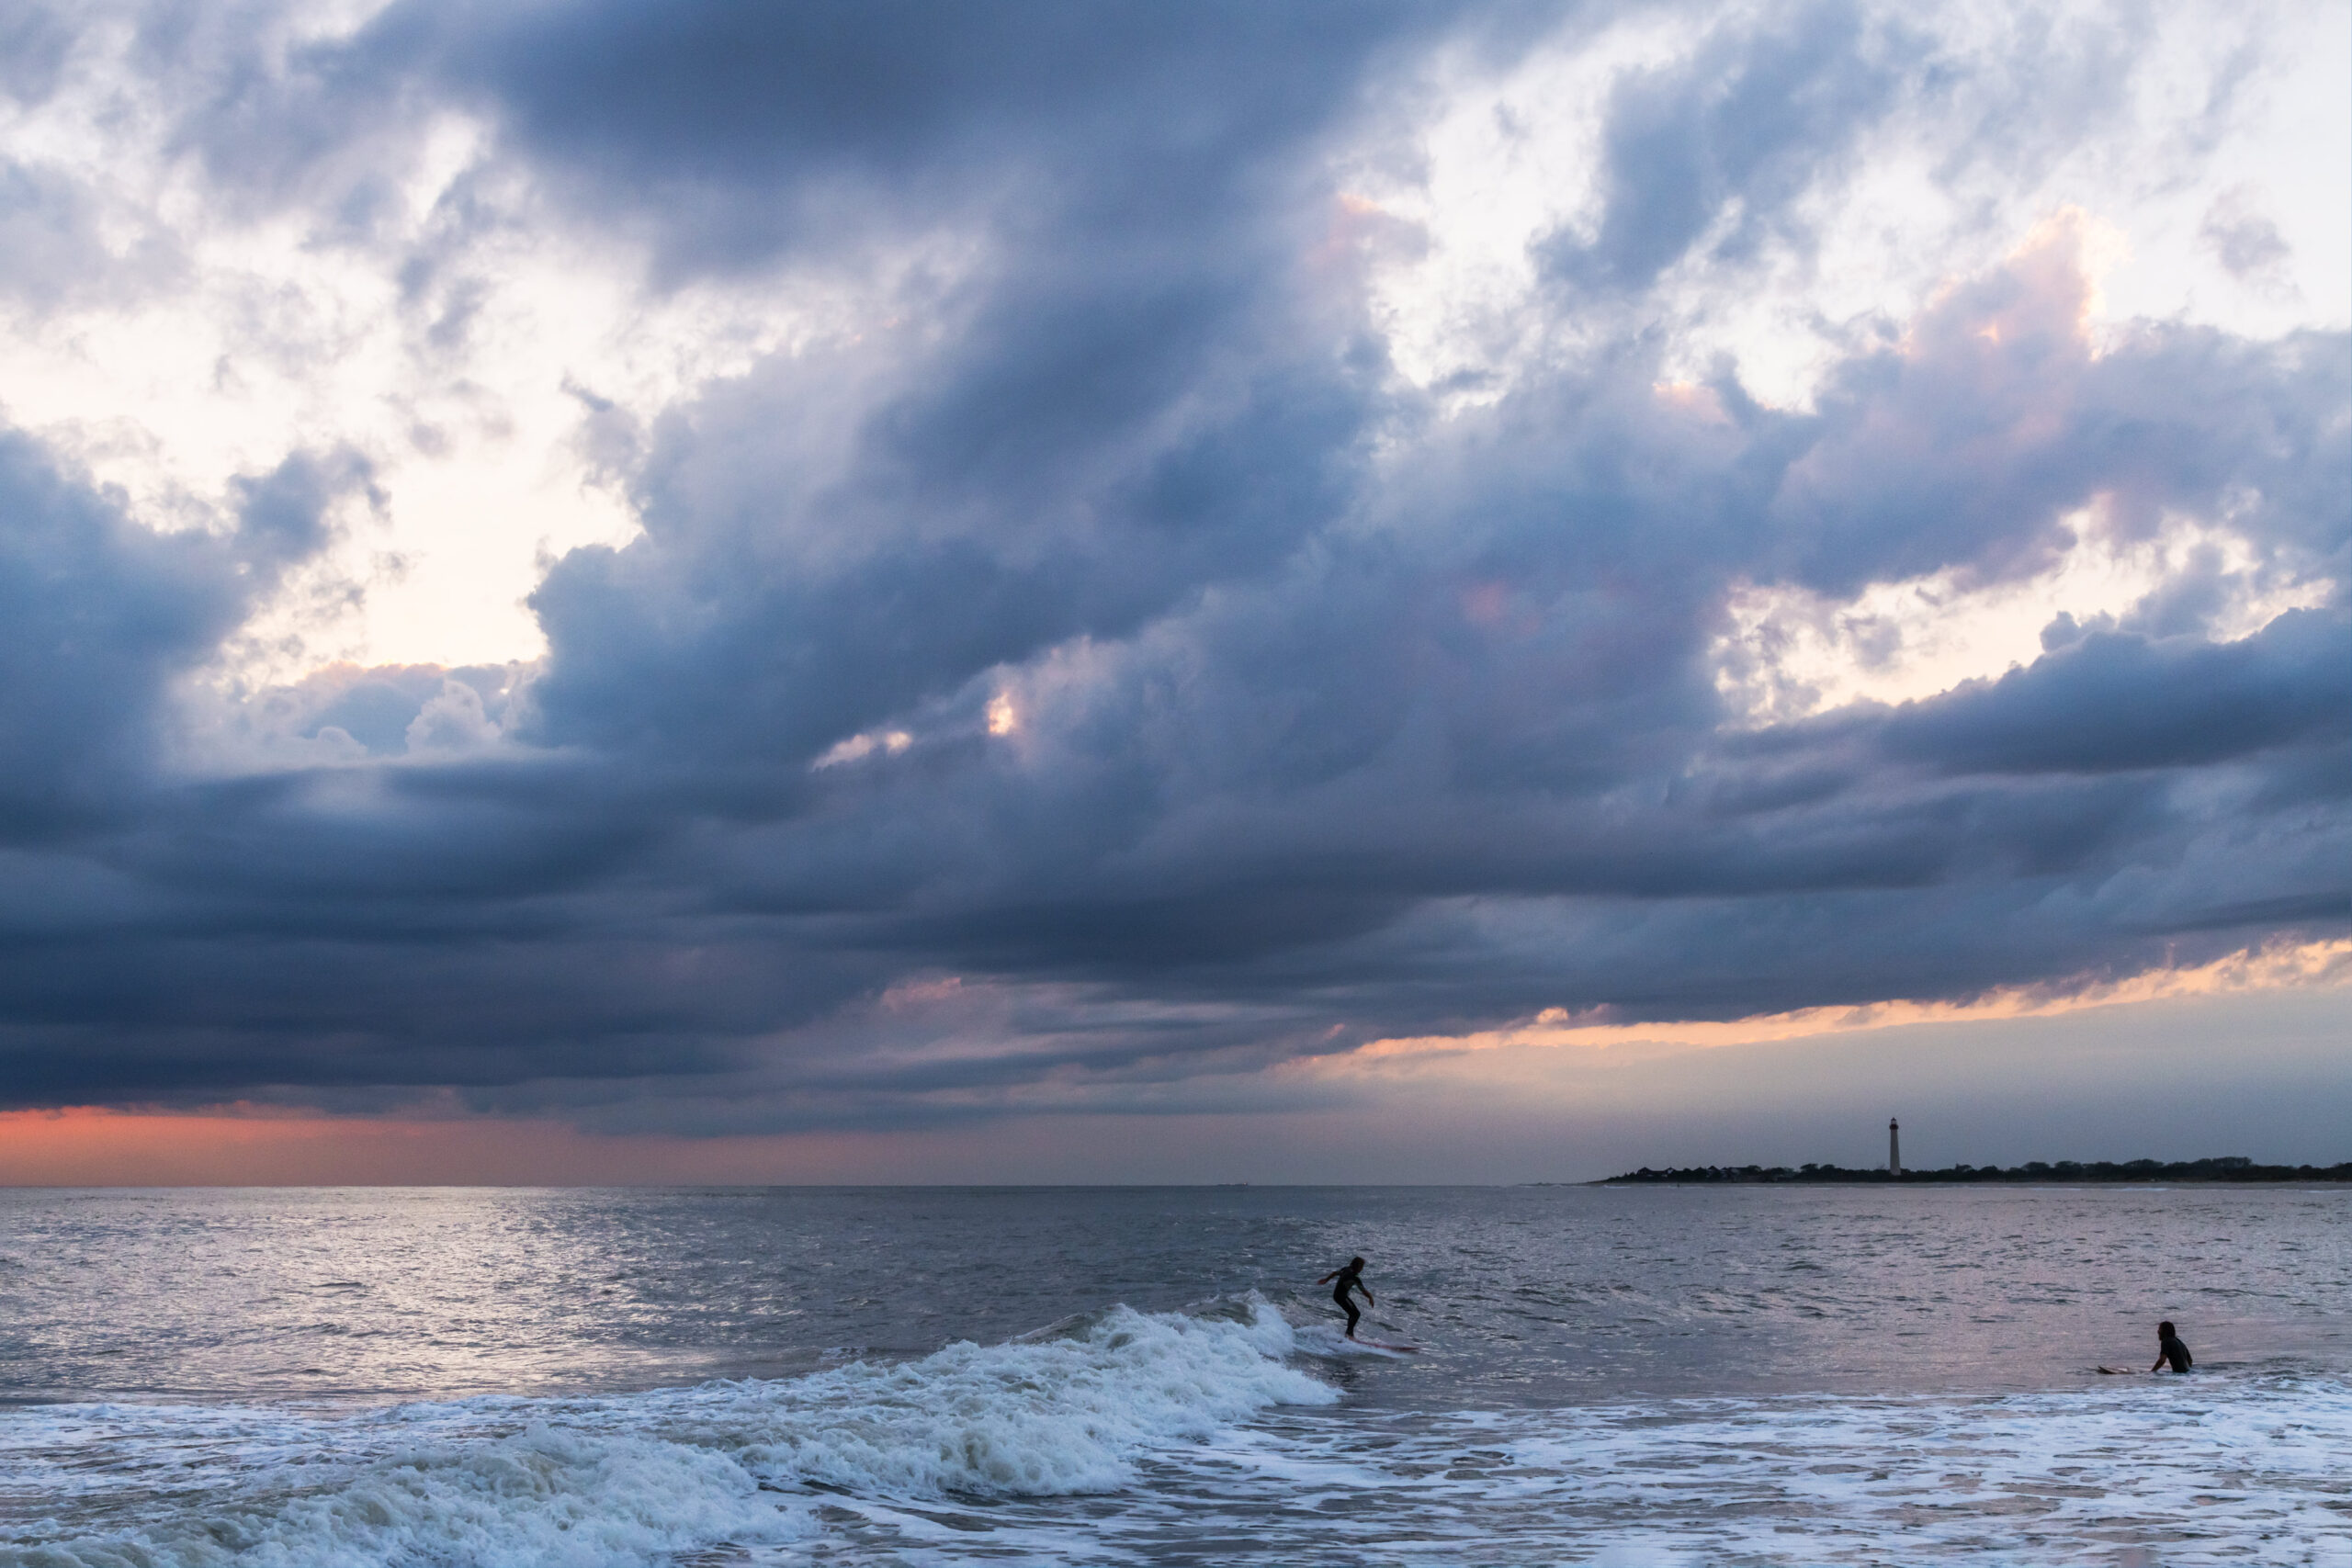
(1097, 560)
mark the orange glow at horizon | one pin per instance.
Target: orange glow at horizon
(249, 1146)
(2319, 964)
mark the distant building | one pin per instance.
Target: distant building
(1894, 1147)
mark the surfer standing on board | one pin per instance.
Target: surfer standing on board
(1350, 1279)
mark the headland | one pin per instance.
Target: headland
(2228, 1167)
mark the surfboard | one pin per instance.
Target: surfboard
(1384, 1345)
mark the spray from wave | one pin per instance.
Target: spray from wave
(637, 1477)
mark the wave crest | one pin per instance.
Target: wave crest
(638, 1476)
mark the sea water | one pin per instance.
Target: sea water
(845, 1376)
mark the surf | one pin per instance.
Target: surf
(1068, 1410)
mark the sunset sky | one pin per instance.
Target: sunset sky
(1053, 592)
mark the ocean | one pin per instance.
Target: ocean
(1747, 1375)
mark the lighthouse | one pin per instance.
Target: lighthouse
(1894, 1147)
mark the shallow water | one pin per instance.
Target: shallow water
(857, 1376)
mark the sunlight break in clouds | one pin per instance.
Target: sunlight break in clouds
(1789, 653)
(419, 306)
(1508, 165)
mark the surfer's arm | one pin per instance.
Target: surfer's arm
(1329, 1278)
(2159, 1365)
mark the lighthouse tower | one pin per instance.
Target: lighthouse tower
(1894, 1147)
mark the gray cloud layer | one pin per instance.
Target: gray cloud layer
(1338, 716)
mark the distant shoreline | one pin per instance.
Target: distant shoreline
(2231, 1169)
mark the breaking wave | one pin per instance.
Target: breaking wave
(627, 1478)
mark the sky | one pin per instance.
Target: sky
(1078, 592)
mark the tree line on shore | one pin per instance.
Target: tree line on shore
(2226, 1168)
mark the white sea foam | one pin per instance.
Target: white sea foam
(1131, 1438)
(634, 1478)
(2232, 1468)
(1054, 1414)
(2229, 1470)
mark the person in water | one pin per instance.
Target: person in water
(1350, 1279)
(2170, 1348)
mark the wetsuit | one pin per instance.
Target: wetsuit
(1350, 1280)
(2176, 1352)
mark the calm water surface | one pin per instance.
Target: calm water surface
(802, 1375)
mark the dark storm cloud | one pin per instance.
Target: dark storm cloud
(1969, 449)
(34, 42)
(2112, 702)
(98, 613)
(725, 133)
(1741, 129)
(936, 554)
(1129, 639)
(752, 127)
(1243, 795)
